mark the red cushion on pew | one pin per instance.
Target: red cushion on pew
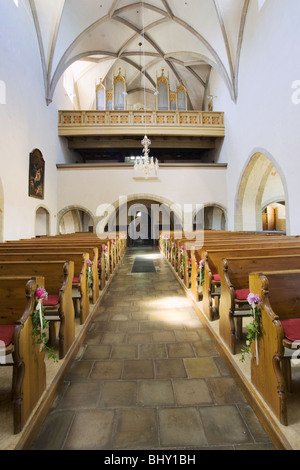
(53, 299)
(242, 294)
(6, 333)
(76, 280)
(216, 277)
(291, 328)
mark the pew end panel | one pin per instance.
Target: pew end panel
(226, 323)
(17, 294)
(211, 291)
(194, 277)
(270, 372)
(65, 310)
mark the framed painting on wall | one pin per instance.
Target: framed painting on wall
(36, 174)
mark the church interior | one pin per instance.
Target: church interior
(155, 149)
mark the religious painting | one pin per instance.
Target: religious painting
(36, 174)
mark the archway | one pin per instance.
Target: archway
(274, 217)
(42, 222)
(261, 184)
(141, 217)
(213, 217)
(74, 219)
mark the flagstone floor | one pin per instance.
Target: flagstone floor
(148, 375)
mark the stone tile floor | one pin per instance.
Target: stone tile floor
(149, 377)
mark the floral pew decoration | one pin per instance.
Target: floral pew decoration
(201, 267)
(41, 324)
(254, 327)
(89, 275)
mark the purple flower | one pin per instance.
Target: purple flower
(253, 299)
(41, 293)
(89, 263)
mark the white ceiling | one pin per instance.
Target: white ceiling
(184, 37)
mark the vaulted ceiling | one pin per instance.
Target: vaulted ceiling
(186, 38)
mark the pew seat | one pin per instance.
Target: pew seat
(291, 330)
(6, 339)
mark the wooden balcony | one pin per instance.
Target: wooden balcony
(132, 123)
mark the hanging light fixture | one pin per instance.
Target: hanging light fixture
(145, 165)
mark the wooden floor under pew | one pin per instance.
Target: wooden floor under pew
(55, 373)
(283, 437)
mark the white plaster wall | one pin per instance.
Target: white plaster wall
(90, 187)
(26, 123)
(264, 118)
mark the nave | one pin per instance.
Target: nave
(148, 375)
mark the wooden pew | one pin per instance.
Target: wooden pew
(198, 253)
(17, 300)
(234, 274)
(79, 283)
(58, 283)
(212, 277)
(280, 325)
(104, 253)
(66, 249)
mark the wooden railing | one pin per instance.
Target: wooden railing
(197, 123)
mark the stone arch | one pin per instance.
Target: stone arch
(253, 187)
(75, 218)
(42, 221)
(214, 217)
(108, 215)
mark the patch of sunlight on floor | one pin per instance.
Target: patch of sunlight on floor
(151, 256)
(167, 303)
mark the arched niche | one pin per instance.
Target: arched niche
(261, 183)
(75, 219)
(42, 222)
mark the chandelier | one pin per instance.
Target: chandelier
(145, 166)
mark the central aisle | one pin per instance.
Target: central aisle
(148, 375)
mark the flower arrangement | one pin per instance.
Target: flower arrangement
(106, 258)
(89, 273)
(201, 271)
(253, 328)
(182, 259)
(40, 323)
